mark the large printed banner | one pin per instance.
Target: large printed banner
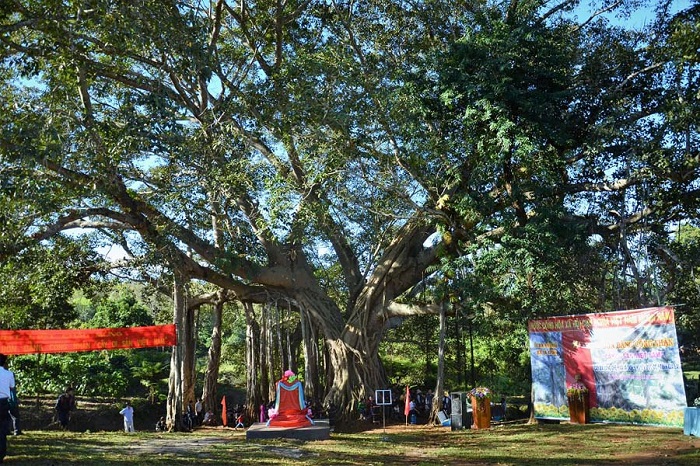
(628, 360)
(90, 339)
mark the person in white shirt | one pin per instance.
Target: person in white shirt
(128, 413)
(198, 410)
(7, 386)
(14, 406)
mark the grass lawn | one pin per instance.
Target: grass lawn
(551, 444)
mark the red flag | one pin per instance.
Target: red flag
(407, 403)
(224, 413)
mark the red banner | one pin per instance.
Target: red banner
(13, 342)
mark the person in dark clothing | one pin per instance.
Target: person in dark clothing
(160, 425)
(64, 405)
(7, 394)
(446, 403)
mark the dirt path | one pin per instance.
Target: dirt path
(160, 444)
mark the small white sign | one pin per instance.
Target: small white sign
(383, 397)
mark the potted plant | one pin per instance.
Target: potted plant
(481, 407)
(577, 394)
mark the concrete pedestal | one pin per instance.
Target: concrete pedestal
(319, 431)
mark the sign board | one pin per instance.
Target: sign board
(382, 397)
(628, 360)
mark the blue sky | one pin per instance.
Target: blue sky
(638, 19)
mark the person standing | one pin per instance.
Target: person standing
(199, 411)
(14, 405)
(189, 417)
(64, 405)
(446, 403)
(128, 413)
(7, 387)
(429, 401)
(412, 411)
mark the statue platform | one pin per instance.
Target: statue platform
(319, 431)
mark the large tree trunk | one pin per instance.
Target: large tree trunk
(355, 374)
(256, 366)
(188, 357)
(174, 406)
(439, 385)
(267, 344)
(214, 357)
(311, 381)
(211, 377)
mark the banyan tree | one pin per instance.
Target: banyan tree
(315, 160)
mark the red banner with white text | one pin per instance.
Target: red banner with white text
(13, 342)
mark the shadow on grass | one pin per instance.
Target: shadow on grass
(563, 444)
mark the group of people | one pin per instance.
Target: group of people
(424, 401)
(369, 411)
(66, 404)
(420, 405)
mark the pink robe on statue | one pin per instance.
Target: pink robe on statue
(290, 407)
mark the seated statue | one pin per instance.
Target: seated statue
(290, 408)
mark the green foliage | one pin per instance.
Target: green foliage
(679, 265)
(112, 374)
(125, 311)
(36, 286)
(152, 375)
(89, 373)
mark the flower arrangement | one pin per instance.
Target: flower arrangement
(482, 395)
(577, 390)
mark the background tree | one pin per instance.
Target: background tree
(38, 284)
(125, 311)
